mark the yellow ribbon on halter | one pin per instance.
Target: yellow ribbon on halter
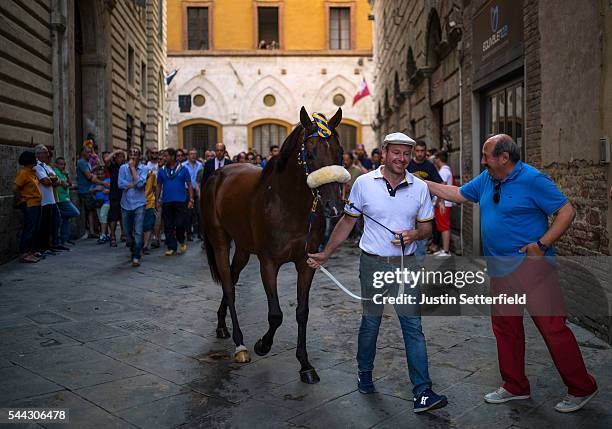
(323, 129)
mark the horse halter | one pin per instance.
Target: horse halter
(324, 131)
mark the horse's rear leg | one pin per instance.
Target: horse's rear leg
(222, 257)
(305, 274)
(239, 261)
(269, 272)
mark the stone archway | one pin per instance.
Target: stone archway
(92, 73)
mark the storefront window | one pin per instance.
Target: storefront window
(504, 113)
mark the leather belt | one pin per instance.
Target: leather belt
(395, 260)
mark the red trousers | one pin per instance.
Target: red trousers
(539, 281)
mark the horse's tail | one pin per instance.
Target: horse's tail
(212, 260)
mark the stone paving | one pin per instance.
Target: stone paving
(123, 347)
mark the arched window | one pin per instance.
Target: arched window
(434, 35)
(410, 64)
(266, 134)
(202, 137)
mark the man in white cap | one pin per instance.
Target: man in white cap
(401, 202)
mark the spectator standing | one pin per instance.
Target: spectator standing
(90, 143)
(443, 207)
(171, 181)
(115, 160)
(376, 159)
(150, 212)
(180, 156)
(66, 208)
(152, 160)
(362, 157)
(194, 167)
(421, 167)
(214, 164)
(28, 198)
(132, 180)
(50, 217)
(84, 180)
(101, 193)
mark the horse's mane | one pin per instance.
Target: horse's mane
(279, 162)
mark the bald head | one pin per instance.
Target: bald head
(503, 143)
(220, 151)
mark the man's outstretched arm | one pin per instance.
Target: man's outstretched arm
(446, 192)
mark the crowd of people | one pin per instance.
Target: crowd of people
(155, 197)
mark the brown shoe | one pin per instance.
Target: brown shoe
(135, 262)
(28, 259)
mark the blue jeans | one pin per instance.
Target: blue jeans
(421, 251)
(133, 221)
(410, 322)
(67, 211)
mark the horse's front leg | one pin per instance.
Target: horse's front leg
(269, 272)
(305, 274)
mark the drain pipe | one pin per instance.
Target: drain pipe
(460, 49)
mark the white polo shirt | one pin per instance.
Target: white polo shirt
(43, 171)
(398, 209)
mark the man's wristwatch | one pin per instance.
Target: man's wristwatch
(543, 247)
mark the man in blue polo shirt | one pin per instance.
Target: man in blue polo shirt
(515, 203)
(174, 184)
(401, 202)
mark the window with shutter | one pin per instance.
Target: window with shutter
(339, 28)
(197, 28)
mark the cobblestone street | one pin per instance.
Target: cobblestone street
(123, 347)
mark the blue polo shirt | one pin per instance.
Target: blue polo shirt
(174, 183)
(527, 198)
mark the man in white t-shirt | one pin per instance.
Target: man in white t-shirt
(50, 216)
(443, 207)
(394, 197)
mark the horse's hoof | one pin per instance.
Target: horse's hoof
(309, 376)
(223, 333)
(241, 355)
(260, 348)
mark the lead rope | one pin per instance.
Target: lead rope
(402, 244)
(330, 275)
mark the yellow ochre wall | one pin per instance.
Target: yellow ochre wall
(302, 23)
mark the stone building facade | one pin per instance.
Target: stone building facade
(236, 87)
(452, 73)
(71, 67)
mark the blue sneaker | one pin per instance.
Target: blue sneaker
(364, 382)
(429, 400)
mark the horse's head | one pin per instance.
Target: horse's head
(321, 156)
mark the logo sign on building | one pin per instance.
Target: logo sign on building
(497, 31)
(184, 103)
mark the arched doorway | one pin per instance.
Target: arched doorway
(265, 133)
(201, 134)
(349, 133)
(92, 71)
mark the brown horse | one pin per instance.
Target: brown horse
(268, 212)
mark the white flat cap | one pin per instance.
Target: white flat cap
(398, 138)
